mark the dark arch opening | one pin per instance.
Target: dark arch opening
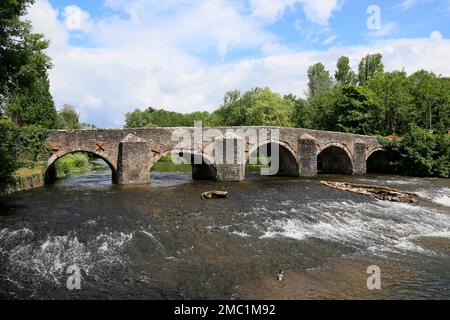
(200, 168)
(96, 162)
(381, 161)
(261, 158)
(334, 159)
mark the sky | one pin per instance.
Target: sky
(113, 56)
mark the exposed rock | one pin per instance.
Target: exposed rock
(377, 192)
(214, 194)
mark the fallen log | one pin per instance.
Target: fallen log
(374, 191)
(214, 194)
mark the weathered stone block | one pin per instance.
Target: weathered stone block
(307, 154)
(359, 158)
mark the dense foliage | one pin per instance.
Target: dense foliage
(422, 153)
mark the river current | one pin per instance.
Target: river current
(161, 241)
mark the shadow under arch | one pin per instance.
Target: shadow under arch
(287, 159)
(381, 161)
(203, 167)
(334, 158)
(51, 174)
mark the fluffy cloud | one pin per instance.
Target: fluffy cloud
(159, 62)
(316, 11)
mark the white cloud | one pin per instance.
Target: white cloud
(407, 4)
(316, 11)
(76, 19)
(158, 62)
(45, 21)
(330, 39)
(386, 30)
(90, 101)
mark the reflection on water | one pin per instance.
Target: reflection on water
(162, 241)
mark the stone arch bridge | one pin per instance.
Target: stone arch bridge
(130, 153)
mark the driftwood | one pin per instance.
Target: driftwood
(214, 194)
(377, 192)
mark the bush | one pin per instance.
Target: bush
(422, 153)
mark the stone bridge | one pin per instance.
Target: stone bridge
(131, 153)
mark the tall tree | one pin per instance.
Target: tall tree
(319, 79)
(370, 65)
(13, 55)
(24, 84)
(68, 118)
(344, 73)
(431, 98)
(392, 91)
(357, 111)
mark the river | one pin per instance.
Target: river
(161, 241)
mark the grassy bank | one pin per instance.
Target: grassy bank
(72, 163)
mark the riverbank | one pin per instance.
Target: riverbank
(33, 176)
(26, 178)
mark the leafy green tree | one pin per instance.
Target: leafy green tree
(392, 91)
(255, 107)
(269, 109)
(319, 79)
(423, 153)
(301, 117)
(344, 73)
(14, 44)
(68, 118)
(357, 110)
(370, 65)
(7, 152)
(321, 109)
(431, 96)
(26, 91)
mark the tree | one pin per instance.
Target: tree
(269, 109)
(393, 94)
(7, 154)
(14, 44)
(301, 115)
(255, 107)
(25, 88)
(344, 73)
(370, 65)
(423, 153)
(431, 96)
(319, 79)
(68, 118)
(357, 111)
(321, 109)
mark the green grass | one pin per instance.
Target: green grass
(72, 163)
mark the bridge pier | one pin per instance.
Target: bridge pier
(307, 156)
(230, 162)
(359, 158)
(133, 166)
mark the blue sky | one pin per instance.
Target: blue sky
(112, 56)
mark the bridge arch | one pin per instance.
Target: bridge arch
(50, 170)
(378, 160)
(206, 170)
(288, 162)
(334, 158)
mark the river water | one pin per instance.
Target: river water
(161, 241)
